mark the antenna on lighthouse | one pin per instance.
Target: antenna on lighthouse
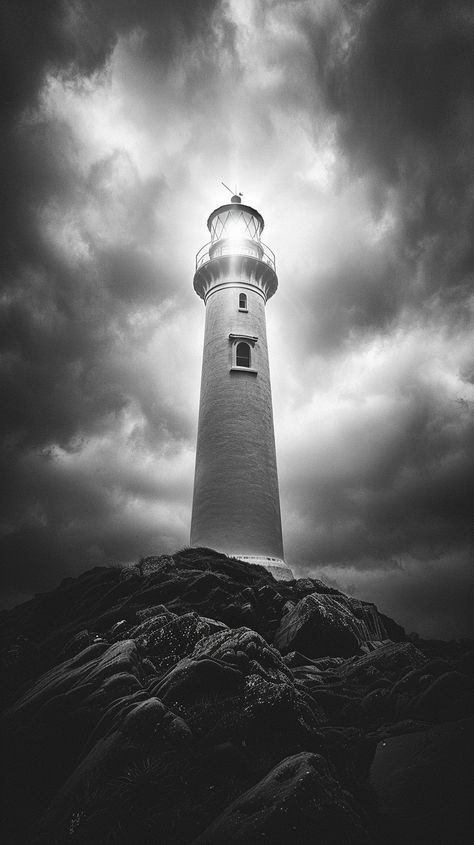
(235, 196)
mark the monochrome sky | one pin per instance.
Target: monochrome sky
(349, 124)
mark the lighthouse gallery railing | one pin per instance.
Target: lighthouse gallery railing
(261, 252)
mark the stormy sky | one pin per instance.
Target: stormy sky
(350, 126)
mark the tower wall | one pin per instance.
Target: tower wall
(236, 506)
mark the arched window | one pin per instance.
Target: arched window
(242, 355)
(242, 301)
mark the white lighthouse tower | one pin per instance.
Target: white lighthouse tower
(236, 503)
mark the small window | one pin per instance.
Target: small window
(242, 301)
(242, 354)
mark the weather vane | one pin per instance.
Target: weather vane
(235, 196)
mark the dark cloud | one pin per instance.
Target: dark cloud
(402, 83)
(81, 289)
(77, 36)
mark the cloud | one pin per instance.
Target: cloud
(95, 432)
(350, 126)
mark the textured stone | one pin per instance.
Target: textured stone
(390, 658)
(298, 800)
(46, 729)
(320, 625)
(449, 696)
(191, 678)
(87, 671)
(422, 782)
(126, 756)
(77, 643)
(245, 648)
(167, 643)
(152, 565)
(156, 733)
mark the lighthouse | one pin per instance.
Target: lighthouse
(236, 501)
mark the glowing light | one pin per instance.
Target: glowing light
(234, 236)
(234, 230)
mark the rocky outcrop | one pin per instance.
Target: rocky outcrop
(422, 782)
(103, 796)
(196, 699)
(328, 625)
(297, 801)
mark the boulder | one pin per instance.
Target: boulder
(152, 565)
(390, 659)
(45, 731)
(270, 696)
(297, 802)
(447, 697)
(113, 788)
(422, 782)
(193, 678)
(75, 679)
(77, 643)
(167, 641)
(319, 626)
(248, 650)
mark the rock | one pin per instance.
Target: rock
(319, 626)
(192, 678)
(152, 565)
(241, 614)
(372, 645)
(150, 625)
(269, 599)
(370, 623)
(169, 641)
(450, 696)
(269, 696)
(409, 682)
(228, 757)
(115, 783)
(19, 661)
(148, 734)
(423, 785)
(350, 753)
(154, 610)
(214, 624)
(308, 675)
(46, 729)
(376, 703)
(77, 677)
(298, 800)
(389, 659)
(77, 643)
(246, 648)
(208, 694)
(389, 729)
(143, 722)
(305, 586)
(268, 701)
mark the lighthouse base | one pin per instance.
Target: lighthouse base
(275, 565)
